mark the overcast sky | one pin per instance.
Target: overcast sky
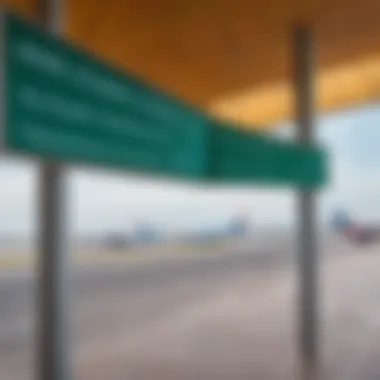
(100, 201)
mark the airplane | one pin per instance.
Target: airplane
(355, 232)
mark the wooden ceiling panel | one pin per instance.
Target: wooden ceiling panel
(213, 51)
(24, 7)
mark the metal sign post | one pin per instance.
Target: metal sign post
(304, 100)
(53, 344)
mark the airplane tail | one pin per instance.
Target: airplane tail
(344, 225)
(352, 230)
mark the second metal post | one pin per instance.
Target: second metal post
(303, 64)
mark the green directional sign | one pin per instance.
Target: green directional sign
(239, 156)
(64, 104)
(58, 102)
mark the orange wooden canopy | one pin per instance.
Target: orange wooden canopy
(233, 57)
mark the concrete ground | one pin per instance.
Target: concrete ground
(227, 316)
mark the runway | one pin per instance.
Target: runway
(222, 316)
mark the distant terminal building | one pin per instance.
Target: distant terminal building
(142, 234)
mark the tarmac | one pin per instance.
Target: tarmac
(227, 316)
